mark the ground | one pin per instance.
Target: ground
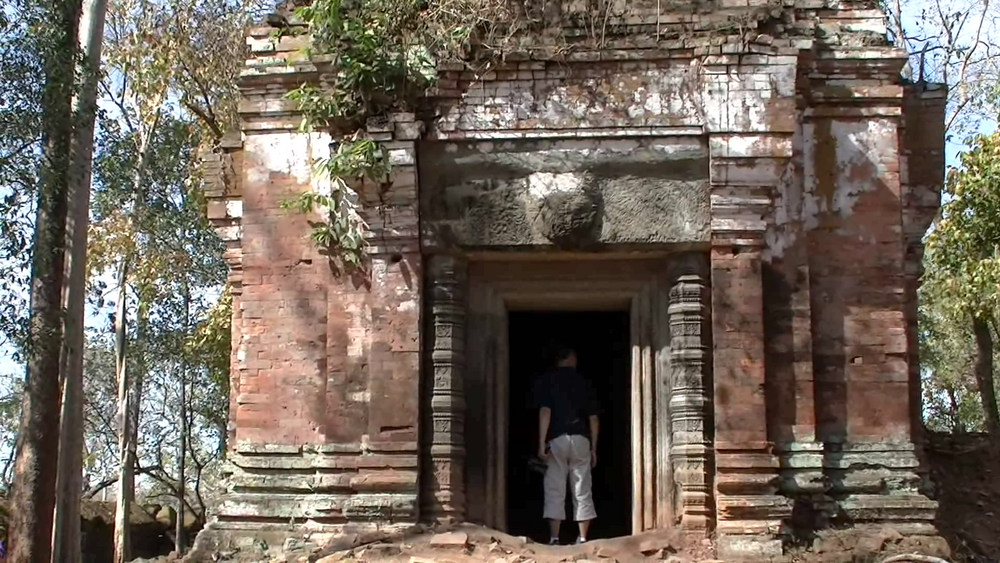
(966, 472)
(468, 544)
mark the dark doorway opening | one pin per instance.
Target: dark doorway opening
(603, 343)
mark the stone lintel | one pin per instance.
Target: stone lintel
(583, 132)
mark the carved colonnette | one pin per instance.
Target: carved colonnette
(444, 459)
(690, 402)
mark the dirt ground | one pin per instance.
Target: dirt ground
(966, 473)
(468, 544)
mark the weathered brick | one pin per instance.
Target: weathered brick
(818, 173)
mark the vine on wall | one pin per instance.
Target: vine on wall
(377, 56)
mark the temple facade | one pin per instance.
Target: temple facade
(747, 182)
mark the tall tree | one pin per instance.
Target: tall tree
(38, 437)
(67, 542)
(951, 398)
(177, 58)
(964, 258)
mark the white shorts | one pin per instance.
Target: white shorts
(569, 458)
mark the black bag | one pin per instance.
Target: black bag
(537, 465)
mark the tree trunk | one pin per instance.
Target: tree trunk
(180, 540)
(984, 373)
(33, 501)
(129, 392)
(180, 543)
(129, 401)
(66, 541)
(129, 440)
(126, 477)
(957, 425)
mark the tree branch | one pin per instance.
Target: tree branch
(208, 120)
(16, 152)
(171, 486)
(207, 115)
(100, 486)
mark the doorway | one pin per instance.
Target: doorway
(602, 340)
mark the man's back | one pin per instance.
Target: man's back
(570, 398)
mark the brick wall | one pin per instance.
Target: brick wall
(324, 387)
(815, 154)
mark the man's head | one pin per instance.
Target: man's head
(566, 357)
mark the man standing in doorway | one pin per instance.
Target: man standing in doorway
(567, 435)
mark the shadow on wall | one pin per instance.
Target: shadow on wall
(291, 285)
(840, 276)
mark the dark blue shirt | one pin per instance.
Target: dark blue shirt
(571, 399)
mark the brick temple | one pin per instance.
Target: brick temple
(721, 203)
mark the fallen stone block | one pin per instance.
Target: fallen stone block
(450, 540)
(497, 548)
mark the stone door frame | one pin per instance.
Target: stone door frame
(669, 406)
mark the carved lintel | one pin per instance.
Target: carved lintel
(445, 357)
(689, 401)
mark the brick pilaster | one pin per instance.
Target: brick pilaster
(859, 283)
(749, 511)
(747, 169)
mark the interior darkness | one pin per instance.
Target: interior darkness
(602, 341)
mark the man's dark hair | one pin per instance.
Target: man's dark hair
(563, 353)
